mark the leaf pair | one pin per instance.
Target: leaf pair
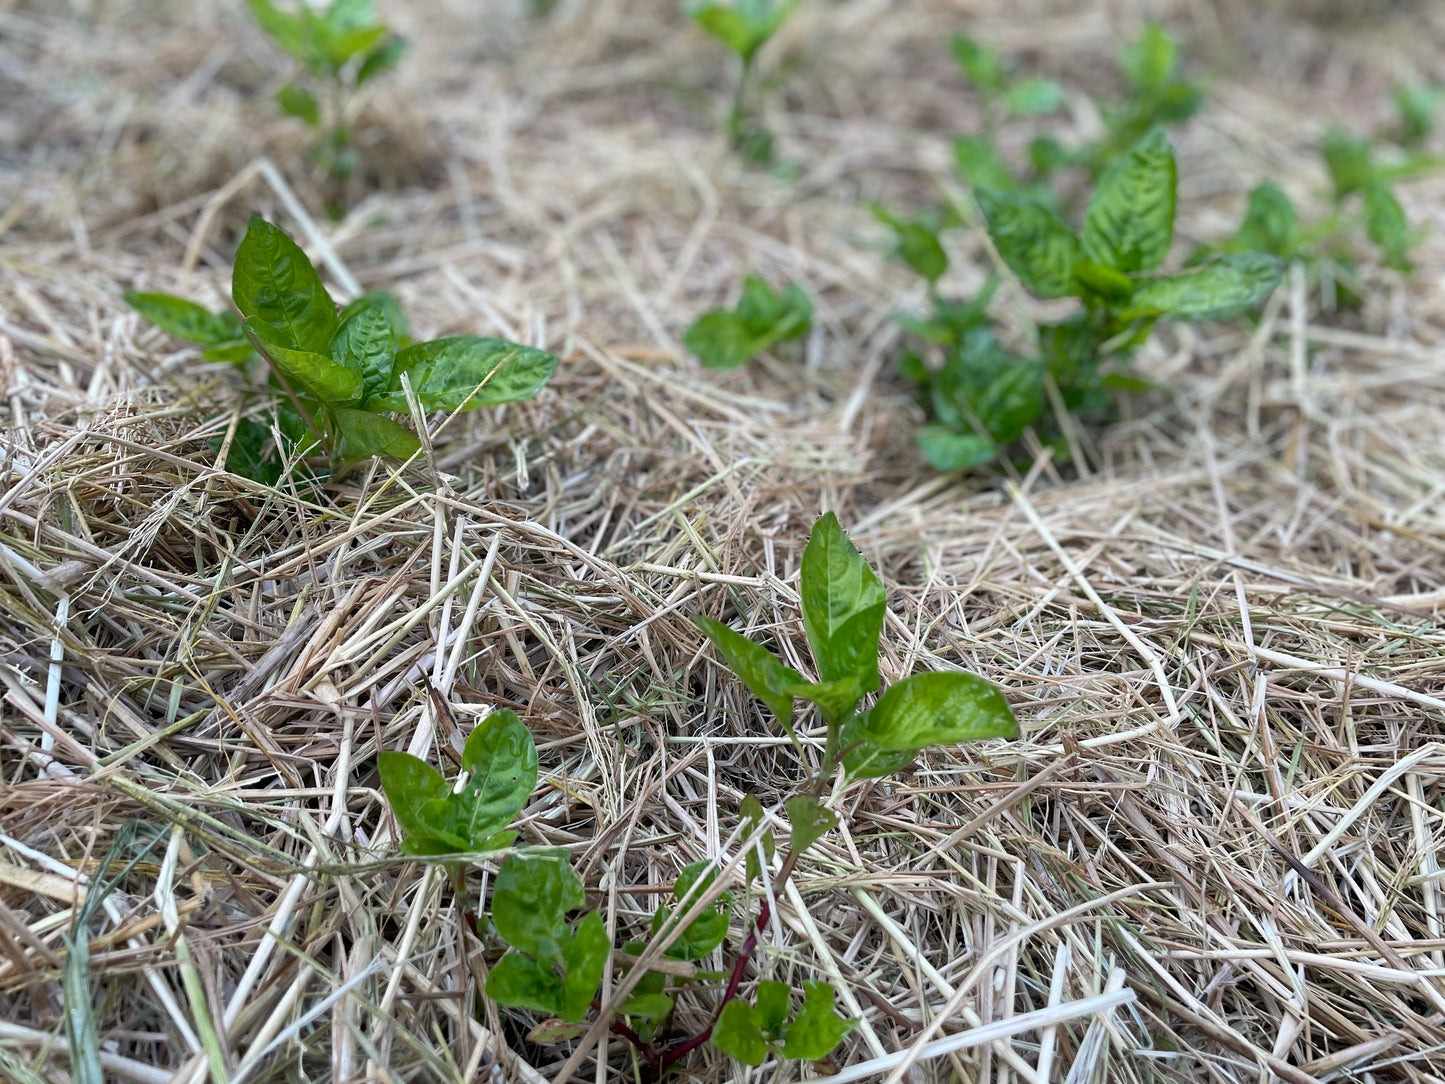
(843, 606)
(345, 33)
(749, 1032)
(728, 338)
(1127, 230)
(554, 968)
(499, 762)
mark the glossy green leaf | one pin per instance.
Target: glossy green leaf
(704, 933)
(381, 59)
(315, 374)
(1130, 221)
(363, 435)
(389, 306)
(809, 821)
(843, 606)
(938, 708)
(1270, 224)
(754, 816)
(1229, 285)
(185, 319)
(817, 1030)
(533, 894)
(865, 760)
(1032, 241)
(980, 165)
(235, 351)
(1103, 282)
(520, 982)
(501, 762)
(769, 680)
(1386, 225)
(273, 282)
(410, 783)
(584, 956)
(1034, 97)
(365, 344)
(300, 102)
(770, 1009)
(1349, 161)
(736, 1035)
(467, 369)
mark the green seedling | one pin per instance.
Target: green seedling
(916, 241)
(557, 950)
(340, 49)
(338, 375)
(763, 317)
(1417, 107)
(1001, 91)
(983, 397)
(1357, 171)
(744, 26)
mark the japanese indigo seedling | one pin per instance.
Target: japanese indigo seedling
(554, 963)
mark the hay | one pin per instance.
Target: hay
(1221, 627)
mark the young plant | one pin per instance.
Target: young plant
(983, 397)
(340, 49)
(763, 317)
(339, 375)
(744, 26)
(1001, 91)
(554, 962)
(1357, 170)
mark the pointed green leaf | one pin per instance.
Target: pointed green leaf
(769, 680)
(466, 369)
(300, 102)
(980, 165)
(389, 305)
(1386, 225)
(809, 820)
(704, 933)
(916, 244)
(1130, 221)
(520, 982)
(533, 894)
(1349, 161)
(383, 58)
(502, 758)
(843, 606)
(1417, 107)
(736, 1035)
(584, 956)
(753, 816)
(1270, 224)
(1031, 240)
(273, 282)
(409, 784)
(362, 435)
(312, 373)
(979, 63)
(365, 344)
(1229, 285)
(185, 319)
(285, 30)
(653, 1007)
(939, 708)
(817, 1030)
(770, 1011)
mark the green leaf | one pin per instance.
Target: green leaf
(655, 1007)
(1349, 161)
(938, 708)
(754, 816)
(584, 956)
(365, 344)
(381, 59)
(947, 450)
(530, 902)
(863, 760)
(843, 606)
(390, 306)
(704, 933)
(770, 1011)
(363, 435)
(502, 764)
(1229, 285)
(736, 1035)
(817, 1030)
(723, 339)
(1417, 107)
(519, 982)
(1149, 62)
(916, 244)
(720, 340)
(445, 373)
(1270, 223)
(980, 165)
(315, 373)
(1032, 241)
(1386, 225)
(810, 822)
(979, 63)
(185, 319)
(274, 282)
(769, 680)
(410, 783)
(1047, 154)
(285, 30)
(235, 351)
(1130, 220)
(1034, 97)
(1103, 282)
(744, 26)
(300, 102)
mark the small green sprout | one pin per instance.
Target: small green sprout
(744, 26)
(762, 318)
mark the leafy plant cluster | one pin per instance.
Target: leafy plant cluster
(763, 317)
(340, 49)
(336, 377)
(554, 957)
(744, 26)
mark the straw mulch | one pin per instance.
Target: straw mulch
(1220, 627)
